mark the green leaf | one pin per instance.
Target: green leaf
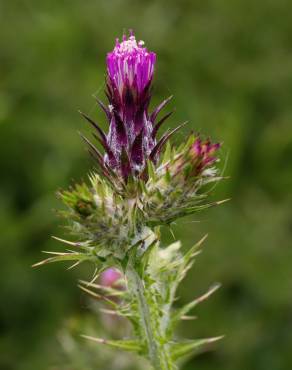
(63, 257)
(151, 169)
(193, 251)
(188, 347)
(126, 345)
(144, 261)
(167, 153)
(110, 291)
(186, 308)
(83, 245)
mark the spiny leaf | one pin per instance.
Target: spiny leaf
(179, 350)
(193, 250)
(113, 312)
(189, 306)
(74, 265)
(98, 296)
(63, 257)
(126, 345)
(84, 245)
(108, 290)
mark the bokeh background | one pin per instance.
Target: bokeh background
(229, 65)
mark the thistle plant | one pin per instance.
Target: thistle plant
(141, 182)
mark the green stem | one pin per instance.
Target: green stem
(157, 350)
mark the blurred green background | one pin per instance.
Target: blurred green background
(229, 65)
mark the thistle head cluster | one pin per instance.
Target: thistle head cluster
(141, 181)
(111, 218)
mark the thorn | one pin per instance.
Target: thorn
(55, 253)
(158, 124)
(94, 124)
(111, 291)
(110, 312)
(164, 139)
(189, 317)
(201, 241)
(197, 253)
(39, 263)
(215, 339)
(98, 340)
(97, 296)
(156, 111)
(172, 233)
(90, 292)
(211, 290)
(95, 277)
(74, 265)
(222, 201)
(74, 244)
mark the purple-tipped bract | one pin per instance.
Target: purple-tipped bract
(203, 154)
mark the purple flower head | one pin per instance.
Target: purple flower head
(129, 66)
(109, 277)
(203, 154)
(132, 136)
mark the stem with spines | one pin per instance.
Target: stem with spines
(157, 349)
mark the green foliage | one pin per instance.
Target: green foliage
(147, 301)
(80, 352)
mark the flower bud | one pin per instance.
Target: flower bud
(132, 136)
(203, 155)
(176, 186)
(109, 277)
(130, 68)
